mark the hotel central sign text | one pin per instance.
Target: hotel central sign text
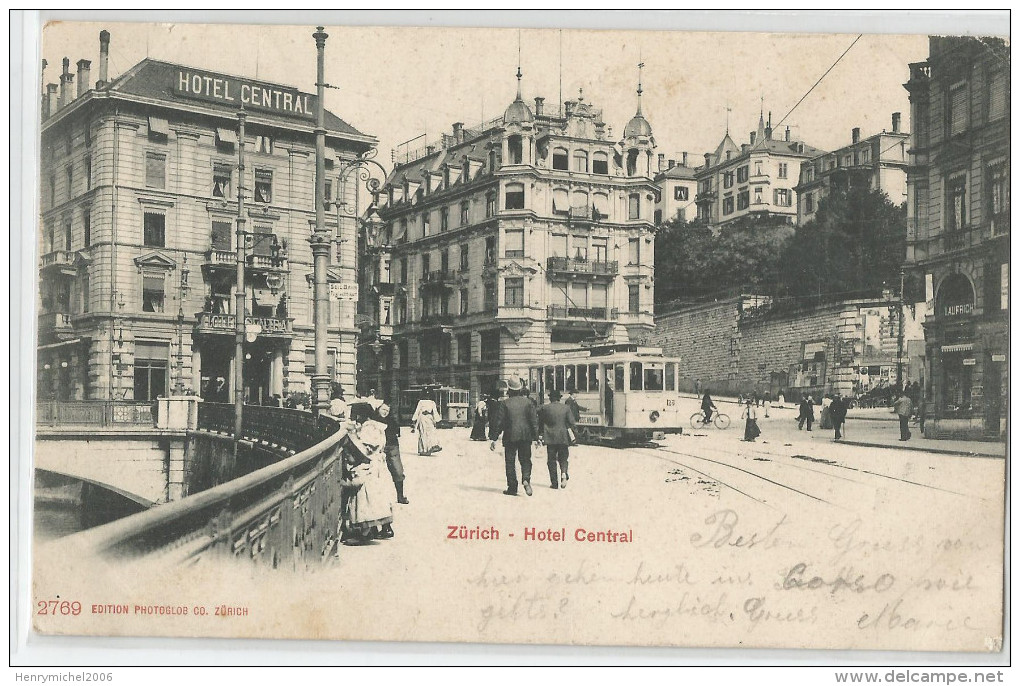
(200, 85)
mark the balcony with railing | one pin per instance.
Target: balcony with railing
(227, 259)
(271, 327)
(64, 261)
(55, 323)
(560, 312)
(432, 321)
(442, 278)
(579, 266)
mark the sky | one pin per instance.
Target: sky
(399, 82)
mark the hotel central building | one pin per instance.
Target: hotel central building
(505, 242)
(138, 235)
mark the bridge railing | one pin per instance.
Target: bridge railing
(103, 413)
(283, 515)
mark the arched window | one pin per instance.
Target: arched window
(579, 203)
(600, 163)
(581, 161)
(514, 196)
(600, 201)
(561, 201)
(560, 159)
(955, 297)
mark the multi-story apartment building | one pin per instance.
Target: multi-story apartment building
(678, 186)
(138, 235)
(755, 178)
(505, 242)
(958, 229)
(879, 162)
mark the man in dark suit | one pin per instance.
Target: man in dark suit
(556, 421)
(517, 421)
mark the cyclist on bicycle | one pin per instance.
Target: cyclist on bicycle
(707, 406)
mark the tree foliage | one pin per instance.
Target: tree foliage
(854, 246)
(692, 259)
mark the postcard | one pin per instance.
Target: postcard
(537, 336)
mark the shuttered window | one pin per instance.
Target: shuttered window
(155, 170)
(957, 110)
(998, 86)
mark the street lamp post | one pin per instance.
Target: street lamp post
(239, 318)
(319, 240)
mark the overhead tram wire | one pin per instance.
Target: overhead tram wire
(804, 97)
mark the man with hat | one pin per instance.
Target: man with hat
(517, 420)
(556, 421)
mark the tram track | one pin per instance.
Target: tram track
(656, 453)
(787, 462)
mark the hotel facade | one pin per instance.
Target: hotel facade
(138, 235)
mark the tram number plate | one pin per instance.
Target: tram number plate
(590, 419)
(670, 403)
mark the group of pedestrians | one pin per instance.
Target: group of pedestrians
(833, 413)
(521, 422)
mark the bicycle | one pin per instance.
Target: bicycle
(720, 420)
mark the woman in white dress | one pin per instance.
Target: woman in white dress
(370, 508)
(424, 419)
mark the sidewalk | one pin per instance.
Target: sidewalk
(867, 428)
(928, 445)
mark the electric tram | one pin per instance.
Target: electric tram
(452, 403)
(626, 393)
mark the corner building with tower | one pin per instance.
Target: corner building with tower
(138, 235)
(502, 243)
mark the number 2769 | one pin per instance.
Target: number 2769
(58, 607)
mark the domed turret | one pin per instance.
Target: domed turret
(638, 126)
(518, 112)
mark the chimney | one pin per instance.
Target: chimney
(855, 135)
(895, 122)
(429, 149)
(83, 76)
(458, 131)
(51, 98)
(768, 128)
(708, 160)
(65, 82)
(539, 106)
(662, 162)
(743, 148)
(684, 159)
(104, 58)
(672, 163)
(787, 134)
(752, 137)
